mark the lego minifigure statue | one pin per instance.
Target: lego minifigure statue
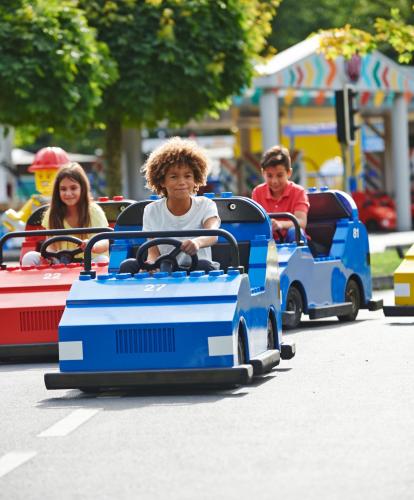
(45, 166)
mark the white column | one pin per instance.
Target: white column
(400, 162)
(269, 119)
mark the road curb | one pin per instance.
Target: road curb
(382, 282)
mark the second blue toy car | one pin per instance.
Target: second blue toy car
(330, 274)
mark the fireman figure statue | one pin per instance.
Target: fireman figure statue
(45, 166)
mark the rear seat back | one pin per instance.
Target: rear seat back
(241, 217)
(244, 219)
(326, 208)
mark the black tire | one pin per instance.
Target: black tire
(241, 350)
(270, 334)
(294, 303)
(353, 295)
(372, 226)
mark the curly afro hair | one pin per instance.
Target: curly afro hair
(175, 152)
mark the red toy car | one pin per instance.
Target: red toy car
(376, 210)
(32, 298)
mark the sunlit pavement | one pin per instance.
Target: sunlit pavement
(334, 422)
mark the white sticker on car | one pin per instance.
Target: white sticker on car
(71, 351)
(402, 289)
(220, 346)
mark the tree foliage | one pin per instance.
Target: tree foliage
(398, 34)
(53, 70)
(347, 41)
(349, 25)
(177, 59)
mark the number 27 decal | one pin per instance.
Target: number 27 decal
(153, 288)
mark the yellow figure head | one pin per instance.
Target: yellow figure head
(45, 167)
(44, 180)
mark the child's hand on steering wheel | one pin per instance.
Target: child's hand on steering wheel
(190, 247)
(276, 225)
(84, 243)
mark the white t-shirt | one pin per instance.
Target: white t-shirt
(157, 217)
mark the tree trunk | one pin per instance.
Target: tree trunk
(132, 149)
(113, 145)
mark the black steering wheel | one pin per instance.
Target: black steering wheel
(63, 256)
(167, 261)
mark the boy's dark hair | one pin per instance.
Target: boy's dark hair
(57, 212)
(175, 152)
(277, 155)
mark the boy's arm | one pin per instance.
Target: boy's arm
(191, 247)
(286, 224)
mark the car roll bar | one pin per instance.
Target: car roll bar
(288, 215)
(123, 235)
(49, 232)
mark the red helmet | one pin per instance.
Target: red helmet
(51, 157)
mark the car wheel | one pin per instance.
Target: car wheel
(294, 304)
(270, 334)
(372, 226)
(353, 295)
(241, 350)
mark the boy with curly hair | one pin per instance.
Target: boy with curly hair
(175, 171)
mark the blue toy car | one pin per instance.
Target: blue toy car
(170, 327)
(330, 275)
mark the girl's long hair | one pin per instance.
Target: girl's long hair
(76, 173)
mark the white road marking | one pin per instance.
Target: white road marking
(12, 460)
(69, 423)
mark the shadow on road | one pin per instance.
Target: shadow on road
(407, 323)
(18, 366)
(162, 396)
(323, 324)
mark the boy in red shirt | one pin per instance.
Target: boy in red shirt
(279, 194)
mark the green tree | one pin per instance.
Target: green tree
(177, 60)
(297, 20)
(348, 40)
(53, 71)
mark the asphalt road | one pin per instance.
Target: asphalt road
(336, 422)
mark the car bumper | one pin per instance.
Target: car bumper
(29, 352)
(373, 305)
(398, 310)
(238, 375)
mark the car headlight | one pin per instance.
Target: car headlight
(385, 222)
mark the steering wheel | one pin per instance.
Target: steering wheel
(167, 261)
(63, 256)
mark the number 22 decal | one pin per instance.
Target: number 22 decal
(51, 276)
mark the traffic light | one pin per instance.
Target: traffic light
(345, 110)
